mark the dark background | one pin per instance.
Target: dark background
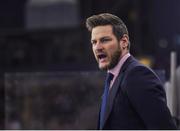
(153, 26)
(53, 38)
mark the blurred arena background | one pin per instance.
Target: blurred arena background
(49, 78)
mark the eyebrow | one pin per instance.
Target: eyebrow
(104, 37)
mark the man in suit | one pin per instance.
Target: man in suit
(135, 98)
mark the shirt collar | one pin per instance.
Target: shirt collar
(115, 71)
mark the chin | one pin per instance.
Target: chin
(104, 68)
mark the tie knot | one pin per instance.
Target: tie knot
(109, 76)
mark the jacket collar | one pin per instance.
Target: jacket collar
(115, 87)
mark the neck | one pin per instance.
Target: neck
(124, 53)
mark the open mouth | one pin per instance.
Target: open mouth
(101, 57)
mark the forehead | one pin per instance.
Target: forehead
(101, 31)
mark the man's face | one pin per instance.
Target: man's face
(105, 46)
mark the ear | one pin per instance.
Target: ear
(124, 41)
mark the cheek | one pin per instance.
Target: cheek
(93, 49)
(113, 49)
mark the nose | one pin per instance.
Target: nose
(98, 46)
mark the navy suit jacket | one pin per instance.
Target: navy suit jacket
(137, 100)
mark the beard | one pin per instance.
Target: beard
(114, 59)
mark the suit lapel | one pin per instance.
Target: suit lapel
(115, 87)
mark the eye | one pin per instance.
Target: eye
(105, 40)
(93, 42)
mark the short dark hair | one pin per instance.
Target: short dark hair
(118, 26)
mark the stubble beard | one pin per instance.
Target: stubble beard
(113, 61)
